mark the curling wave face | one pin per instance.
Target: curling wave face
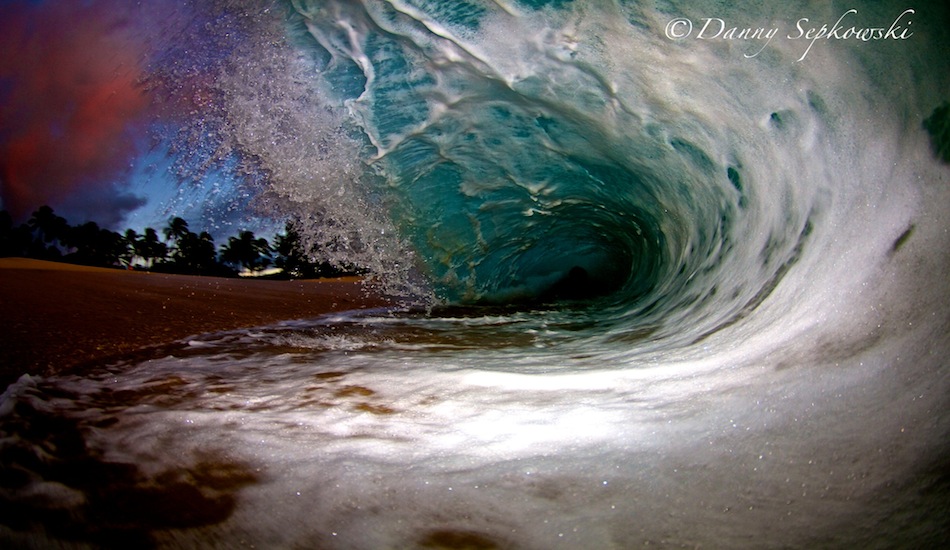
(514, 150)
(727, 274)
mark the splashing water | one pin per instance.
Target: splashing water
(680, 293)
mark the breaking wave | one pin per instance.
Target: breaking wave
(679, 292)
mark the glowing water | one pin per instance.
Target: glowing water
(759, 361)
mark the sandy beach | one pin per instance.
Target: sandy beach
(55, 317)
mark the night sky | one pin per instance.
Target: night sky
(94, 98)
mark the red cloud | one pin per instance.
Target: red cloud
(68, 94)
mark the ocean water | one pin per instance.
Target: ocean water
(663, 286)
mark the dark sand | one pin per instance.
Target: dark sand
(56, 317)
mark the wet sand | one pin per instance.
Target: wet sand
(55, 317)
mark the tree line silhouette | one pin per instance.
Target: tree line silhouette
(48, 236)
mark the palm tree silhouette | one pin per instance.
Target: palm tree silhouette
(48, 230)
(176, 230)
(149, 248)
(48, 225)
(131, 250)
(196, 253)
(13, 240)
(246, 250)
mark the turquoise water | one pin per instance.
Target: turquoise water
(684, 292)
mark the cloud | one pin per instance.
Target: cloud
(70, 101)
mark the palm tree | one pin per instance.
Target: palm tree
(131, 247)
(196, 254)
(176, 230)
(14, 241)
(47, 227)
(95, 246)
(246, 250)
(290, 255)
(306, 260)
(176, 233)
(150, 248)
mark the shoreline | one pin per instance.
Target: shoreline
(58, 317)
